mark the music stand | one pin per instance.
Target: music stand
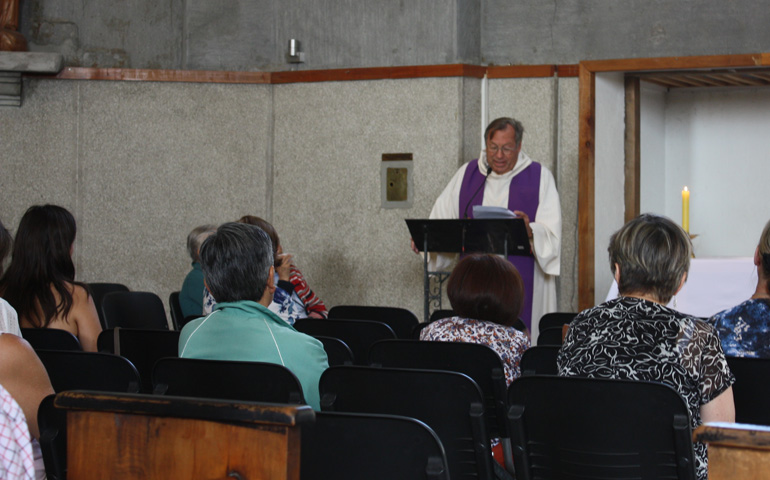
(506, 237)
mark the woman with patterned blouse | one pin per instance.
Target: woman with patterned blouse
(486, 294)
(745, 328)
(636, 337)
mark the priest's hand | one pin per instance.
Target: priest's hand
(414, 247)
(523, 215)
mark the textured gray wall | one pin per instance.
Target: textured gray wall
(253, 35)
(568, 31)
(141, 163)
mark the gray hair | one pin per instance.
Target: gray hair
(653, 253)
(764, 252)
(236, 261)
(503, 123)
(196, 238)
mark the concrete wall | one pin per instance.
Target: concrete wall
(253, 35)
(141, 163)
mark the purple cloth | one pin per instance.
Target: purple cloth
(524, 195)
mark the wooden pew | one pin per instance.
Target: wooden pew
(736, 450)
(143, 436)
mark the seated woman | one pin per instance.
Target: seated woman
(637, 337)
(191, 293)
(486, 294)
(40, 282)
(293, 298)
(745, 329)
(9, 320)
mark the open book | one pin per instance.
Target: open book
(482, 212)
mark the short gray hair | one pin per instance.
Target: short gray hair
(653, 253)
(236, 261)
(196, 238)
(503, 123)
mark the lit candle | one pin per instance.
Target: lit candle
(686, 210)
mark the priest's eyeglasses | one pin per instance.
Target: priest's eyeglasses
(507, 151)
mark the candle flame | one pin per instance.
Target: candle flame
(685, 188)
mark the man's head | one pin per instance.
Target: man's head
(196, 237)
(503, 144)
(237, 262)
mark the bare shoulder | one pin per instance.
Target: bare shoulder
(14, 349)
(79, 293)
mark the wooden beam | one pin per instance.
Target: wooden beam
(521, 71)
(378, 73)
(667, 63)
(133, 74)
(632, 148)
(586, 178)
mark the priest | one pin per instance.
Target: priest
(504, 176)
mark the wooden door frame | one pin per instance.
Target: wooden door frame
(587, 142)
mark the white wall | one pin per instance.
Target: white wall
(609, 184)
(653, 148)
(715, 144)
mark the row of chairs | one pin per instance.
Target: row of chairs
(492, 407)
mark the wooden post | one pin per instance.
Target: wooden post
(736, 450)
(143, 436)
(10, 39)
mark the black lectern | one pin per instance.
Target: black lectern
(501, 236)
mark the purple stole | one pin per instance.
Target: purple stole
(524, 195)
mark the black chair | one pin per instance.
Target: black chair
(177, 317)
(338, 351)
(751, 389)
(401, 320)
(448, 402)
(569, 428)
(227, 380)
(51, 339)
(359, 335)
(99, 290)
(550, 336)
(52, 423)
(351, 446)
(556, 319)
(142, 347)
(540, 360)
(417, 330)
(70, 370)
(479, 362)
(134, 310)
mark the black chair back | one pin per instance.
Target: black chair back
(441, 313)
(227, 380)
(567, 427)
(52, 422)
(351, 446)
(401, 320)
(70, 370)
(550, 336)
(142, 347)
(359, 335)
(540, 360)
(556, 319)
(751, 389)
(337, 351)
(51, 339)
(177, 317)
(448, 402)
(99, 290)
(479, 362)
(134, 310)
